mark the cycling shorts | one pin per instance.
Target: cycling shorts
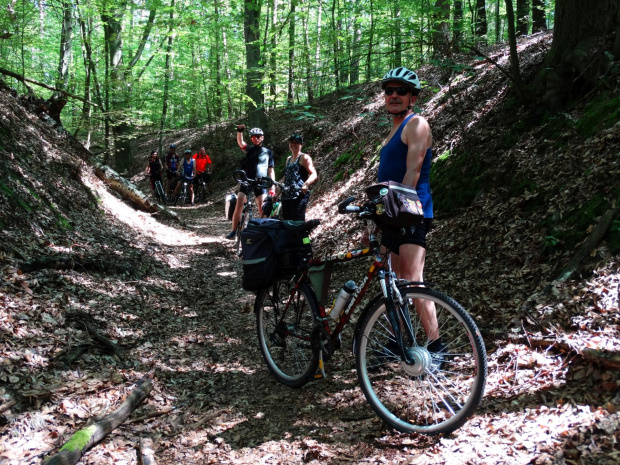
(394, 238)
(258, 191)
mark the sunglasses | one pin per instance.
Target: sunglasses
(258, 136)
(399, 90)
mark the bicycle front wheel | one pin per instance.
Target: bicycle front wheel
(438, 392)
(284, 333)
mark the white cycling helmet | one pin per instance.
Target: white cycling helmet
(256, 132)
(404, 76)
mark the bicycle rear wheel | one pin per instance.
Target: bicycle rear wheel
(284, 338)
(441, 390)
(246, 216)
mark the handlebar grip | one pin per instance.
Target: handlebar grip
(344, 207)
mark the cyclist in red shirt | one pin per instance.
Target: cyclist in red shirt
(204, 167)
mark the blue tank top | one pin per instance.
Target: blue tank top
(393, 166)
(188, 168)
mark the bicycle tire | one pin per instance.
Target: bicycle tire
(286, 345)
(202, 192)
(160, 192)
(441, 397)
(246, 216)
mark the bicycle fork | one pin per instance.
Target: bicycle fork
(397, 312)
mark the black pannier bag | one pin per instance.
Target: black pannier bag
(269, 251)
(398, 205)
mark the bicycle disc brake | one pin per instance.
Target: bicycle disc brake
(321, 340)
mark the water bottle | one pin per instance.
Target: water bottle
(343, 299)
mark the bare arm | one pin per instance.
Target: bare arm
(306, 162)
(417, 136)
(240, 141)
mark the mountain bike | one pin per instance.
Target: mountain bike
(159, 192)
(410, 387)
(183, 196)
(247, 213)
(202, 191)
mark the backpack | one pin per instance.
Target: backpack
(270, 251)
(397, 205)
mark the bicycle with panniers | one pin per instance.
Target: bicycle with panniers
(409, 385)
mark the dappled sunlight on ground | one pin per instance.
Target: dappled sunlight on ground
(144, 222)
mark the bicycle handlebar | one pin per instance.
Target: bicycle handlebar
(366, 210)
(241, 177)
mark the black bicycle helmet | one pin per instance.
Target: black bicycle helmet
(172, 146)
(404, 76)
(256, 132)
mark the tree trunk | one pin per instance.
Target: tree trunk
(523, 9)
(481, 20)
(616, 50)
(514, 56)
(307, 59)
(398, 41)
(253, 82)
(336, 43)
(457, 25)
(497, 22)
(441, 34)
(371, 38)
(290, 96)
(167, 75)
(577, 57)
(539, 17)
(317, 56)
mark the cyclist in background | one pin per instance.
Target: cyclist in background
(154, 171)
(172, 165)
(187, 171)
(299, 175)
(204, 168)
(258, 162)
(406, 158)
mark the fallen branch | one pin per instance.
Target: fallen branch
(7, 405)
(147, 454)
(86, 438)
(130, 192)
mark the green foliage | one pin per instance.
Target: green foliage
(601, 112)
(302, 113)
(353, 156)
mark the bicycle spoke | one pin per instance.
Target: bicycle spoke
(284, 333)
(438, 391)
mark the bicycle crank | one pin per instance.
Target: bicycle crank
(321, 341)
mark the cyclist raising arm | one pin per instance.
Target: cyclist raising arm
(258, 162)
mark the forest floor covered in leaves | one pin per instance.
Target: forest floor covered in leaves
(95, 296)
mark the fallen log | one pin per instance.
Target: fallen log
(147, 454)
(86, 438)
(130, 192)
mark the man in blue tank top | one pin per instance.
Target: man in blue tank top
(406, 158)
